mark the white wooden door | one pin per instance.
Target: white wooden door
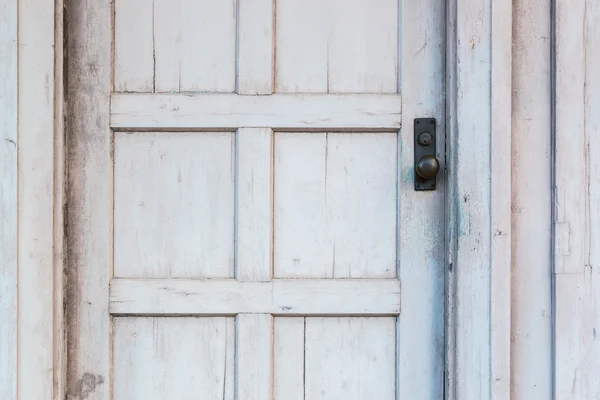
(242, 222)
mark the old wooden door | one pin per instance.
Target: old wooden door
(242, 222)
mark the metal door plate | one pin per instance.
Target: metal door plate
(425, 145)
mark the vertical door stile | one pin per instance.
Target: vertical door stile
(255, 52)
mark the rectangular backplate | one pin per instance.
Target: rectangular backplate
(424, 146)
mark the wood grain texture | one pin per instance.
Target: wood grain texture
(471, 202)
(178, 358)
(577, 195)
(134, 46)
(501, 224)
(256, 46)
(288, 358)
(337, 46)
(59, 206)
(35, 214)
(8, 198)
(254, 356)
(335, 205)
(89, 222)
(531, 355)
(420, 257)
(223, 111)
(357, 355)
(174, 204)
(194, 45)
(254, 179)
(229, 297)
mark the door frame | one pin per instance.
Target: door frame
(478, 199)
(32, 166)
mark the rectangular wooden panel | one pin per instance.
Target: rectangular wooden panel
(195, 45)
(335, 205)
(174, 204)
(254, 204)
(350, 358)
(288, 358)
(337, 46)
(174, 358)
(254, 369)
(223, 111)
(134, 46)
(256, 49)
(229, 297)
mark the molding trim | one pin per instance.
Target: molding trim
(478, 199)
(31, 175)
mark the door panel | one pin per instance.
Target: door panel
(242, 220)
(172, 358)
(335, 191)
(189, 233)
(175, 45)
(334, 46)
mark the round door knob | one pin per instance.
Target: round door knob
(428, 167)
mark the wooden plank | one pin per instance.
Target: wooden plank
(501, 200)
(531, 331)
(254, 368)
(188, 230)
(134, 46)
(194, 45)
(223, 111)
(254, 178)
(335, 191)
(571, 152)
(256, 46)
(363, 46)
(577, 330)
(160, 358)
(301, 61)
(89, 222)
(337, 46)
(356, 355)
(577, 195)
(36, 200)
(420, 240)
(8, 199)
(229, 297)
(60, 347)
(451, 206)
(288, 358)
(471, 201)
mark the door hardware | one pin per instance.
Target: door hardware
(427, 165)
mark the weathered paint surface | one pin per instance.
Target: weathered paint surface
(577, 200)
(30, 253)
(531, 333)
(191, 196)
(482, 230)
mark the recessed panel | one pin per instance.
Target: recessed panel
(335, 200)
(337, 46)
(335, 358)
(174, 205)
(175, 45)
(174, 358)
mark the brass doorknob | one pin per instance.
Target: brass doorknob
(428, 167)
